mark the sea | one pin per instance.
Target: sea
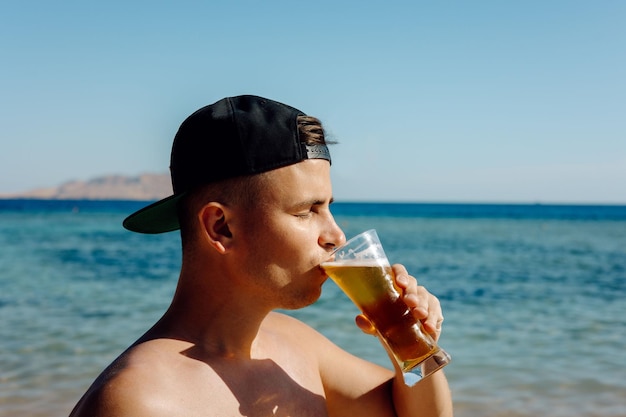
(534, 299)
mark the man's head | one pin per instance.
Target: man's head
(245, 192)
(234, 138)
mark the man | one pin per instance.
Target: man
(252, 192)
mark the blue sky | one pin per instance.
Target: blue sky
(460, 101)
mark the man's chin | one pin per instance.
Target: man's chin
(305, 301)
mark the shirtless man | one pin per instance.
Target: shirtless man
(252, 192)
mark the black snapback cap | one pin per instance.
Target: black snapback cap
(233, 137)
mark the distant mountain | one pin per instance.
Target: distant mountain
(110, 187)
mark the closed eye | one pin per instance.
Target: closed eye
(306, 213)
(307, 208)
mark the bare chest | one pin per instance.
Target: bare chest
(258, 388)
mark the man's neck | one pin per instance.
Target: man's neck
(219, 319)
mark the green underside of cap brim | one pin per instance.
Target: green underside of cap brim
(159, 217)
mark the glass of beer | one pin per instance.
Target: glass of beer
(361, 269)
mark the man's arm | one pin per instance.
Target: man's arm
(357, 387)
(431, 396)
(354, 386)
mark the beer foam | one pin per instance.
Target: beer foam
(357, 262)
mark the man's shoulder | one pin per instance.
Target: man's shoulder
(282, 320)
(134, 384)
(115, 392)
(290, 328)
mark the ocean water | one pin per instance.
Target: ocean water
(533, 298)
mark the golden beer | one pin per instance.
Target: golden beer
(371, 286)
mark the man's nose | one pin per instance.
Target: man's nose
(333, 236)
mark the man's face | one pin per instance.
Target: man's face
(289, 233)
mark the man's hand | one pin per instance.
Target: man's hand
(431, 397)
(424, 306)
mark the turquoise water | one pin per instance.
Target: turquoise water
(533, 298)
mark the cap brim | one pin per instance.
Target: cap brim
(159, 217)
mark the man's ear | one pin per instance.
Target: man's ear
(214, 219)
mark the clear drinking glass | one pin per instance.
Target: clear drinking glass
(361, 269)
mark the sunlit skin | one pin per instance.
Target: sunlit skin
(221, 350)
(288, 235)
